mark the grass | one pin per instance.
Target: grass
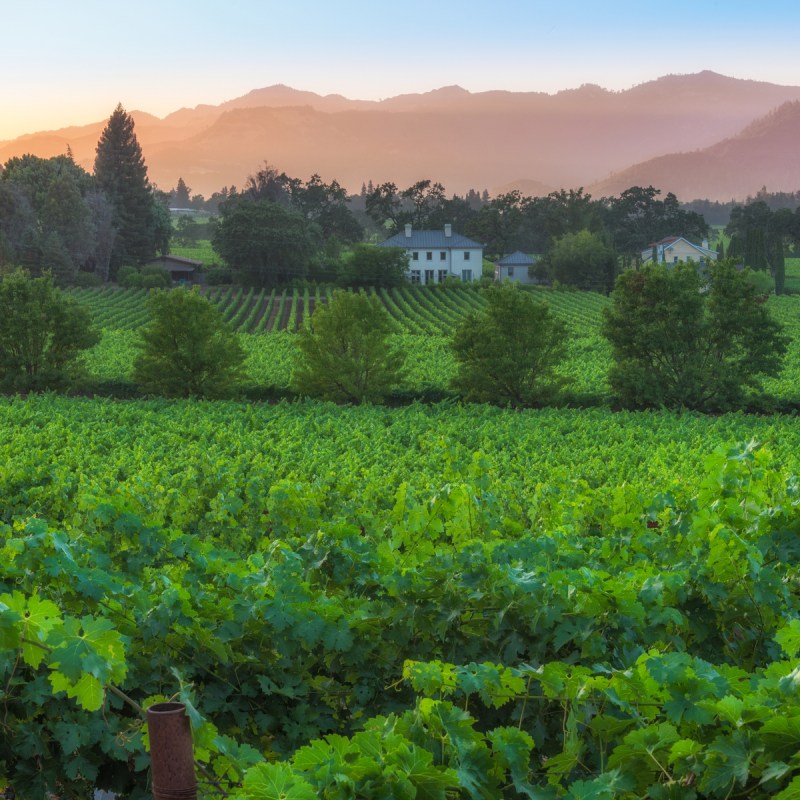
(202, 251)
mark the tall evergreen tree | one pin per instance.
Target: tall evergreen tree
(121, 173)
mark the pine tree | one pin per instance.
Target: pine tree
(181, 195)
(121, 173)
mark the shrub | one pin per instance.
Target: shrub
(187, 350)
(155, 277)
(684, 338)
(129, 278)
(508, 354)
(42, 332)
(345, 353)
(217, 276)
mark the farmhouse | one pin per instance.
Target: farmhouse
(181, 270)
(515, 267)
(675, 249)
(434, 256)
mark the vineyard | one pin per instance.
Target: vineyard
(433, 601)
(429, 601)
(415, 310)
(424, 319)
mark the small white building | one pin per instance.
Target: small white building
(515, 267)
(675, 249)
(435, 256)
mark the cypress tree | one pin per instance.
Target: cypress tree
(121, 173)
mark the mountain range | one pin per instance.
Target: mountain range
(702, 135)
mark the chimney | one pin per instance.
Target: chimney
(705, 244)
(448, 230)
(408, 230)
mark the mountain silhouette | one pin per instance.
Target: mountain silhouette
(587, 136)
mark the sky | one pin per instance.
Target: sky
(65, 64)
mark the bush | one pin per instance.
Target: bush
(42, 332)
(345, 354)
(218, 276)
(150, 276)
(762, 282)
(508, 354)
(155, 277)
(86, 280)
(187, 350)
(129, 278)
(682, 338)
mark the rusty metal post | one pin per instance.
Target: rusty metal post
(171, 755)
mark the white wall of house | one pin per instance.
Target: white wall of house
(516, 274)
(433, 266)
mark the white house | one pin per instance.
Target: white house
(515, 267)
(434, 256)
(675, 249)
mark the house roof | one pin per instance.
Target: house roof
(432, 239)
(671, 241)
(176, 263)
(516, 259)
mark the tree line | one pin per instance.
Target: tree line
(54, 215)
(279, 229)
(680, 337)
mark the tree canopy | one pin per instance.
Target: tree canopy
(345, 352)
(42, 332)
(143, 228)
(370, 265)
(682, 337)
(52, 218)
(583, 260)
(509, 353)
(187, 350)
(265, 242)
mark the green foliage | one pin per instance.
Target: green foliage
(218, 276)
(187, 350)
(142, 224)
(510, 352)
(264, 242)
(519, 614)
(583, 260)
(680, 338)
(150, 276)
(368, 265)
(47, 221)
(345, 352)
(42, 332)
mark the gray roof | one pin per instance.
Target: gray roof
(431, 239)
(176, 263)
(516, 259)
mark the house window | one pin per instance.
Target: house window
(414, 276)
(466, 255)
(511, 272)
(428, 276)
(429, 256)
(415, 256)
(466, 275)
(442, 276)
(443, 255)
(675, 259)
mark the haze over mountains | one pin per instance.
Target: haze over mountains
(700, 136)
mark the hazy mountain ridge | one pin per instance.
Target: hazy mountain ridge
(587, 136)
(765, 153)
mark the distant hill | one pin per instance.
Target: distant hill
(465, 140)
(765, 153)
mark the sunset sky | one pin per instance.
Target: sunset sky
(70, 63)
